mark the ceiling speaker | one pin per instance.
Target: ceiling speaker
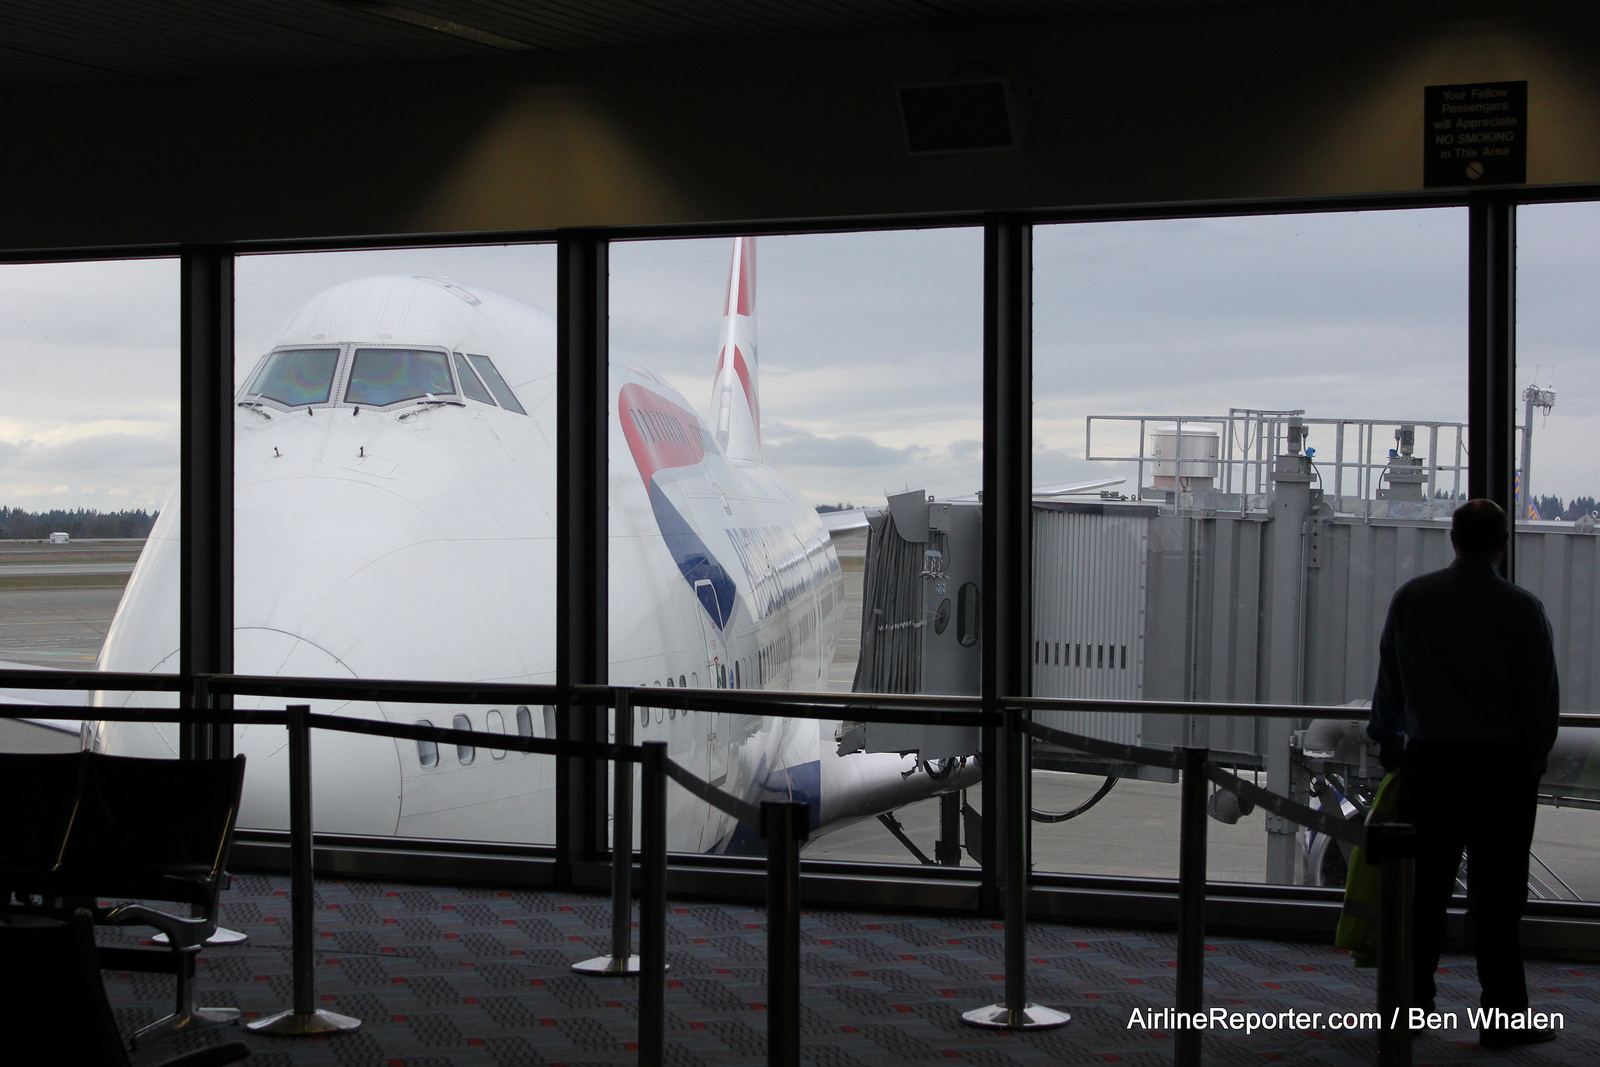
(964, 116)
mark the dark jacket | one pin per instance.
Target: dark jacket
(1467, 656)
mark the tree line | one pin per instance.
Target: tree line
(1551, 507)
(19, 524)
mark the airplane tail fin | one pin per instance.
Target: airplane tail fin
(736, 398)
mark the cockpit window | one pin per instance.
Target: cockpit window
(297, 376)
(469, 381)
(380, 376)
(491, 377)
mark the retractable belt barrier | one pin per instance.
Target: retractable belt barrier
(1396, 849)
(784, 829)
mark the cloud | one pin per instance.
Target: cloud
(100, 454)
(789, 446)
(108, 471)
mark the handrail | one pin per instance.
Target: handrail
(911, 709)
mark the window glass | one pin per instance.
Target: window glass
(427, 751)
(380, 376)
(297, 376)
(524, 722)
(1557, 550)
(771, 399)
(491, 377)
(470, 385)
(89, 545)
(1248, 432)
(336, 510)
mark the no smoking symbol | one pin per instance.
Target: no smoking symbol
(1474, 170)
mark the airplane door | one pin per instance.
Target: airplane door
(717, 731)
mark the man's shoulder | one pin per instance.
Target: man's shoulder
(1458, 579)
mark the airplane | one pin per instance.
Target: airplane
(395, 500)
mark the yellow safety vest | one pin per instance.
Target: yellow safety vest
(1358, 920)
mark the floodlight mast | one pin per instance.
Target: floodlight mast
(1532, 397)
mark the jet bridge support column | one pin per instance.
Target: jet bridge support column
(1283, 643)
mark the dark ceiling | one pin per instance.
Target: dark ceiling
(62, 42)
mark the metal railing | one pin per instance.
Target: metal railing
(1249, 442)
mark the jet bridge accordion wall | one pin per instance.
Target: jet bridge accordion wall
(1208, 607)
(1089, 584)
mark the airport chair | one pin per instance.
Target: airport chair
(53, 1001)
(38, 793)
(156, 830)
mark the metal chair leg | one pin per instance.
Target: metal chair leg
(187, 1015)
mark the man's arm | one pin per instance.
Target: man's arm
(1386, 725)
(1539, 690)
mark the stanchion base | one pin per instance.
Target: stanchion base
(289, 1024)
(609, 965)
(223, 936)
(1031, 1017)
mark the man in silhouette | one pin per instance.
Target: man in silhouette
(1467, 698)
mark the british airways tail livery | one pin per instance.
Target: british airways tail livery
(736, 397)
(394, 518)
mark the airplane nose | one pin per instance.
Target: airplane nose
(393, 580)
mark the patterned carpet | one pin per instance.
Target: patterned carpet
(479, 978)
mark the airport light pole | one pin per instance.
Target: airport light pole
(1532, 397)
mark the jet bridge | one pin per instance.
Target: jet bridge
(1248, 567)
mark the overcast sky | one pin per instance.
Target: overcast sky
(870, 343)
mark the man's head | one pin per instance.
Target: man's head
(1478, 531)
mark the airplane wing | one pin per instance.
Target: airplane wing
(1051, 491)
(63, 698)
(844, 521)
(1069, 488)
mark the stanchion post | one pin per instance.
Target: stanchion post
(653, 905)
(1191, 903)
(1394, 846)
(785, 826)
(1015, 1013)
(622, 960)
(303, 1018)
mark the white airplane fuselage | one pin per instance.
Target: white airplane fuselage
(395, 518)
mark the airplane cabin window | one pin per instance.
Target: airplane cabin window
(465, 753)
(470, 385)
(524, 722)
(682, 684)
(495, 723)
(381, 376)
(297, 376)
(497, 385)
(427, 751)
(644, 716)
